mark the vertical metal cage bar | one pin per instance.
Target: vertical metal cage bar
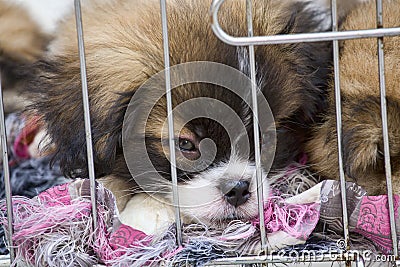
(86, 110)
(170, 122)
(382, 86)
(256, 126)
(339, 123)
(6, 174)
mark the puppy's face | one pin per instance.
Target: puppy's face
(215, 161)
(213, 143)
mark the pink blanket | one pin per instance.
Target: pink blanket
(56, 226)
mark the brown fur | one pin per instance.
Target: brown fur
(361, 115)
(21, 42)
(21, 38)
(123, 42)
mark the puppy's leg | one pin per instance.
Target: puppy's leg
(120, 187)
(139, 210)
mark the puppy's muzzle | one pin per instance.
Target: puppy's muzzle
(236, 193)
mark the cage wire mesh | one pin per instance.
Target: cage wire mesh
(246, 41)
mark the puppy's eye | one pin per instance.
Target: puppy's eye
(186, 145)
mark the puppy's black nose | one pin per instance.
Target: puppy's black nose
(238, 193)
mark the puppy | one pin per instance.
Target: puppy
(361, 114)
(124, 48)
(21, 41)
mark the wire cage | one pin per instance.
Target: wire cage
(263, 259)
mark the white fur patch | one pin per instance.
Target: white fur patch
(147, 214)
(202, 201)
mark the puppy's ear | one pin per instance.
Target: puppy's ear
(117, 62)
(57, 98)
(362, 140)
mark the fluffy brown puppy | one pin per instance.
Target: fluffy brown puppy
(123, 42)
(362, 124)
(21, 41)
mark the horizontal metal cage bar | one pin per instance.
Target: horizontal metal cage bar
(293, 38)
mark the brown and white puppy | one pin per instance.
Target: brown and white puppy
(21, 41)
(361, 114)
(123, 41)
